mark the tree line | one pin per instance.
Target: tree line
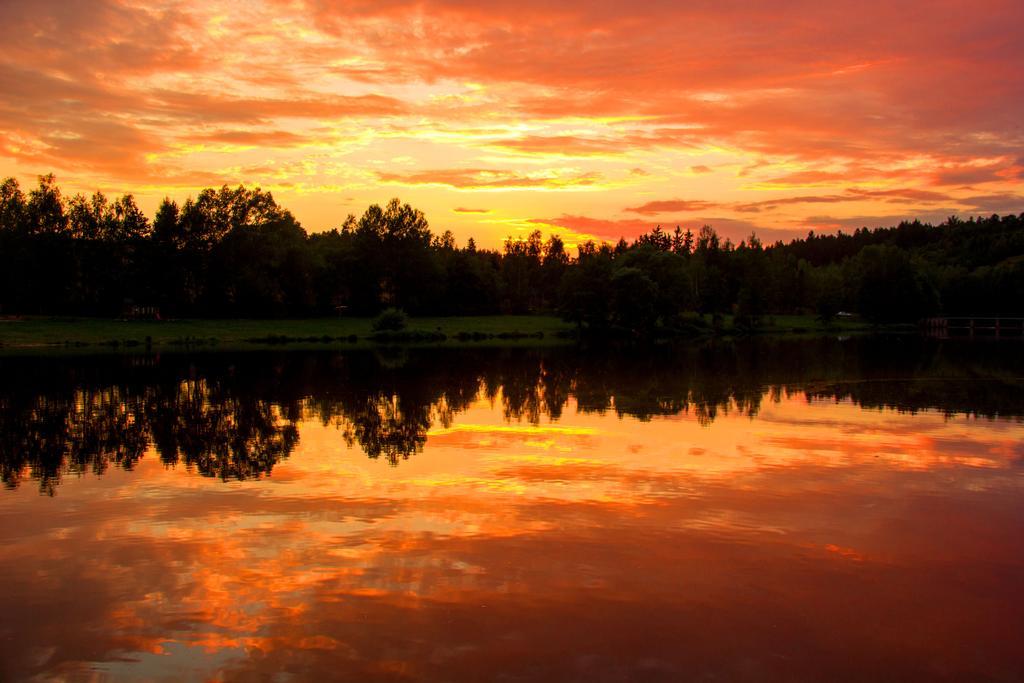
(235, 252)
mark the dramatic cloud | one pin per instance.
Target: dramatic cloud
(893, 196)
(599, 228)
(738, 106)
(669, 206)
(995, 203)
(487, 179)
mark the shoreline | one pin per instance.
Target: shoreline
(58, 333)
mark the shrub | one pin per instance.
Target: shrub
(390, 320)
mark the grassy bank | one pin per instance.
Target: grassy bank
(55, 332)
(90, 332)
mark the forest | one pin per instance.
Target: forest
(234, 252)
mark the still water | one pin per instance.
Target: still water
(764, 510)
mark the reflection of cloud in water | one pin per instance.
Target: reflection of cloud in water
(546, 531)
(676, 574)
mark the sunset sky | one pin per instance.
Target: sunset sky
(591, 119)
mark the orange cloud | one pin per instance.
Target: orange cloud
(269, 138)
(893, 196)
(670, 205)
(600, 228)
(845, 96)
(482, 179)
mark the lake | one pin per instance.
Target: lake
(761, 510)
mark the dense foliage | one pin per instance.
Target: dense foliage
(236, 252)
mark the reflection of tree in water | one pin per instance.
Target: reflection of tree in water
(61, 430)
(73, 432)
(219, 435)
(386, 406)
(235, 417)
(385, 427)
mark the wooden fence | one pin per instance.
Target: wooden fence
(996, 327)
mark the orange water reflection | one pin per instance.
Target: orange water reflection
(818, 540)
